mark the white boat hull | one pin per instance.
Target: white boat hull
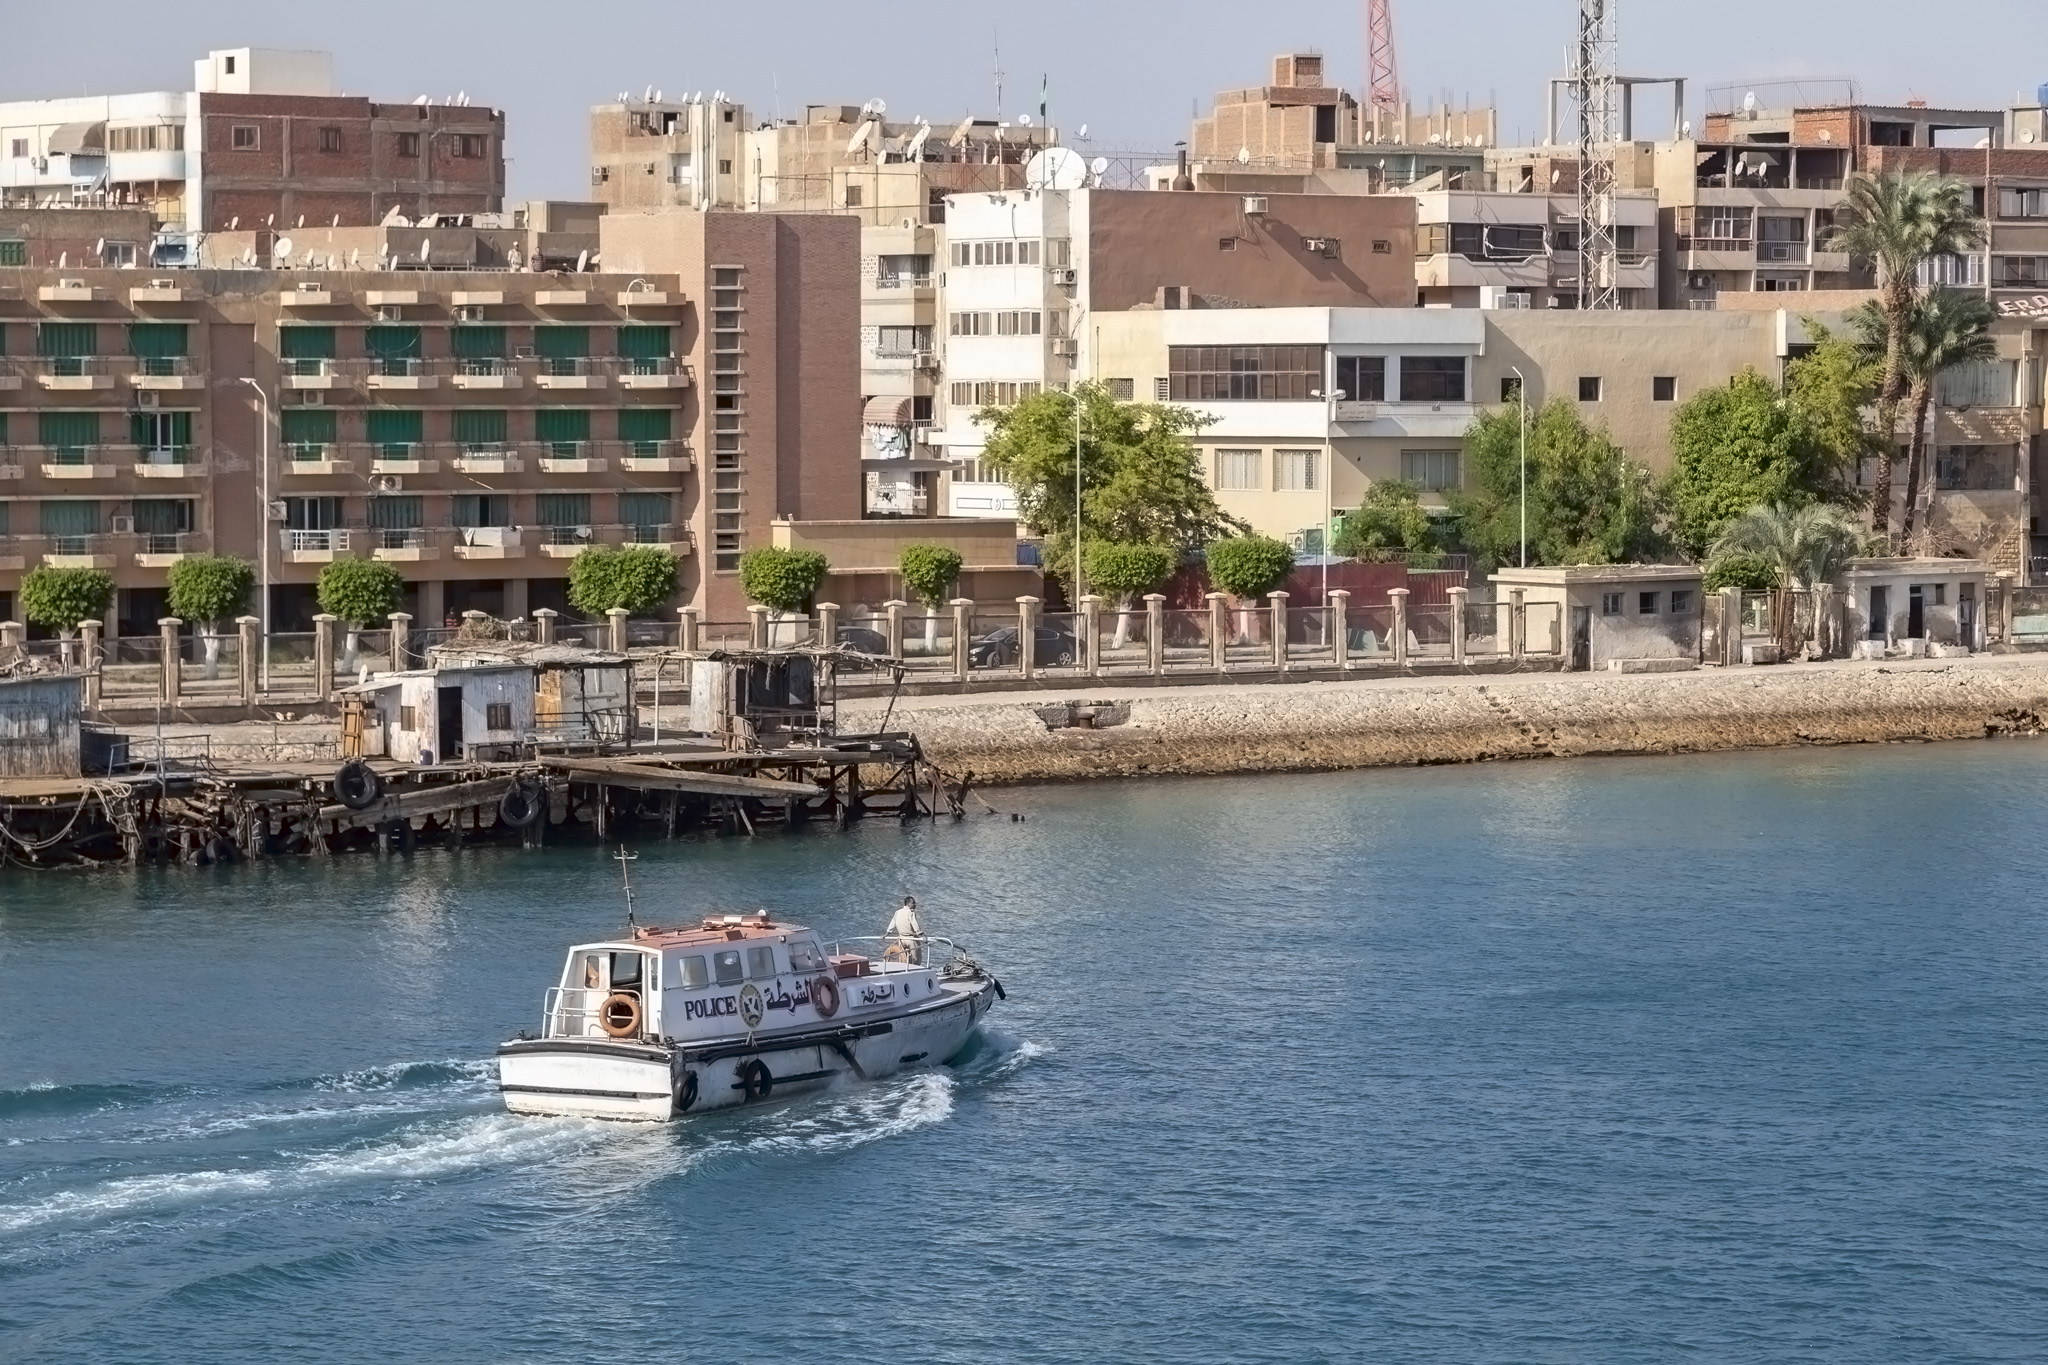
(598, 1078)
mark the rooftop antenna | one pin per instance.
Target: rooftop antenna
(1597, 92)
(998, 37)
(1383, 71)
(624, 860)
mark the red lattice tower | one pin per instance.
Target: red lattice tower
(1379, 55)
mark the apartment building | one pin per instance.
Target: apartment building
(260, 140)
(1031, 276)
(478, 428)
(1507, 249)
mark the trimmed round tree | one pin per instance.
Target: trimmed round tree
(1249, 567)
(210, 589)
(929, 572)
(58, 599)
(635, 578)
(783, 580)
(359, 591)
(1123, 570)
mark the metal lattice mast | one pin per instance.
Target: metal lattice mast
(1598, 95)
(1385, 71)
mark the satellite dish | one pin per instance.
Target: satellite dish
(63, 259)
(1749, 102)
(1685, 129)
(1244, 156)
(234, 222)
(99, 248)
(2026, 134)
(337, 221)
(270, 220)
(1023, 120)
(1083, 134)
(647, 97)
(393, 216)
(881, 106)
(426, 249)
(1056, 168)
(859, 141)
(421, 100)
(355, 258)
(917, 142)
(281, 249)
(960, 134)
(582, 261)
(1099, 165)
(658, 99)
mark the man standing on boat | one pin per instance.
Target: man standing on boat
(906, 934)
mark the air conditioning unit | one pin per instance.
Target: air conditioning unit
(388, 312)
(469, 313)
(71, 284)
(925, 360)
(146, 399)
(121, 526)
(1699, 281)
(276, 510)
(1066, 346)
(312, 398)
(1254, 205)
(1779, 251)
(1065, 275)
(1318, 245)
(388, 483)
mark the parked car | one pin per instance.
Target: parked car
(1051, 647)
(861, 640)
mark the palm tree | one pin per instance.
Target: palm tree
(1809, 545)
(1948, 327)
(1895, 222)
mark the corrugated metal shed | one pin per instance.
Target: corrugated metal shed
(40, 721)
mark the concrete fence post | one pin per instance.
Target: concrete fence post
(1518, 622)
(689, 632)
(963, 623)
(1823, 619)
(1731, 626)
(323, 655)
(1219, 630)
(895, 628)
(1399, 597)
(1340, 628)
(12, 634)
(401, 638)
(167, 640)
(543, 627)
(757, 626)
(250, 629)
(1155, 633)
(1027, 636)
(615, 629)
(1277, 604)
(1458, 598)
(89, 660)
(828, 625)
(2005, 605)
(1089, 623)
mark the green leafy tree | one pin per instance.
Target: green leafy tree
(929, 573)
(1390, 518)
(1123, 571)
(637, 578)
(360, 592)
(1944, 328)
(1588, 502)
(1895, 222)
(1141, 477)
(210, 589)
(1248, 567)
(784, 580)
(58, 599)
(1751, 573)
(1732, 448)
(1829, 389)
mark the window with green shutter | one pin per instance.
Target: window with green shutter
(13, 251)
(3, 428)
(645, 514)
(67, 345)
(395, 432)
(5, 508)
(645, 429)
(68, 435)
(562, 509)
(481, 509)
(405, 512)
(154, 340)
(478, 343)
(162, 516)
(161, 431)
(305, 350)
(307, 432)
(562, 430)
(70, 517)
(562, 350)
(646, 348)
(476, 428)
(394, 350)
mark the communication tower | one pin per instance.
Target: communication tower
(1380, 62)
(1596, 90)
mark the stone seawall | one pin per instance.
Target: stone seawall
(1021, 737)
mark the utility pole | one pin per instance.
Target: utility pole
(1597, 91)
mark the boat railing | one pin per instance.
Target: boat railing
(913, 950)
(572, 1012)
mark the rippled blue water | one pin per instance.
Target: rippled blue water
(1732, 1057)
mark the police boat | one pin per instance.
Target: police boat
(738, 1008)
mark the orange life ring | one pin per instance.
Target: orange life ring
(619, 1015)
(825, 996)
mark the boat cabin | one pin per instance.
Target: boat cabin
(730, 976)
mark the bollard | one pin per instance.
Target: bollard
(1340, 628)
(1219, 628)
(1458, 596)
(167, 637)
(1518, 620)
(615, 629)
(689, 629)
(250, 629)
(1090, 625)
(1155, 632)
(757, 626)
(895, 628)
(543, 627)
(89, 660)
(963, 621)
(1278, 601)
(1027, 636)
(828, 625)
(1399, 597)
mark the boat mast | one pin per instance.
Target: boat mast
(625, 874)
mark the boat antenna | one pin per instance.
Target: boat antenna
(626, 874)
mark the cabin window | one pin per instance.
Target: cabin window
(498, 715)
(625, 970)
(760, 963)
(696, 974)
(408, 719)
(805, 957)
(727, 967)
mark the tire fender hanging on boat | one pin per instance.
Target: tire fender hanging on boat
(756, 1082)
(686, 1092)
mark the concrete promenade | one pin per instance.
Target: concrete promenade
(1031, 736)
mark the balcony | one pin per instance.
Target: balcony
(654, 457)
(1717, 253)
(162, 551)
(316, 460)
(159, 292)
(572, 372)
(311, 296)
(479, 372)
(313, 374)
(79, 552)
(75, 373)
(653, 372)
(166, 373)
(488, 542)
(69, 291)
(78, 462)
(10, 376)
(10, 465)
(566, 542)
(561, 298)
(396, 298)
(400, 373)
(649, 298)
(167, 462)
(395, 458)
(675, 539)
(570, 457)
(492, 459)
(314, 547)
(476, 298)
(408, 545)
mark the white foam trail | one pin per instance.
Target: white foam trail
(864, 1116)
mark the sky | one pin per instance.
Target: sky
(1134, 73)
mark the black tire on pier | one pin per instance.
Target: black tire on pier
(523, 804)
(357, 785)
(398, 836)
(756, 1081)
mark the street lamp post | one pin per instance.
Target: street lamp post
(263, 537)
(1522, 393)
(1330, 401)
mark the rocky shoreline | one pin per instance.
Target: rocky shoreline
(1092, 732)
